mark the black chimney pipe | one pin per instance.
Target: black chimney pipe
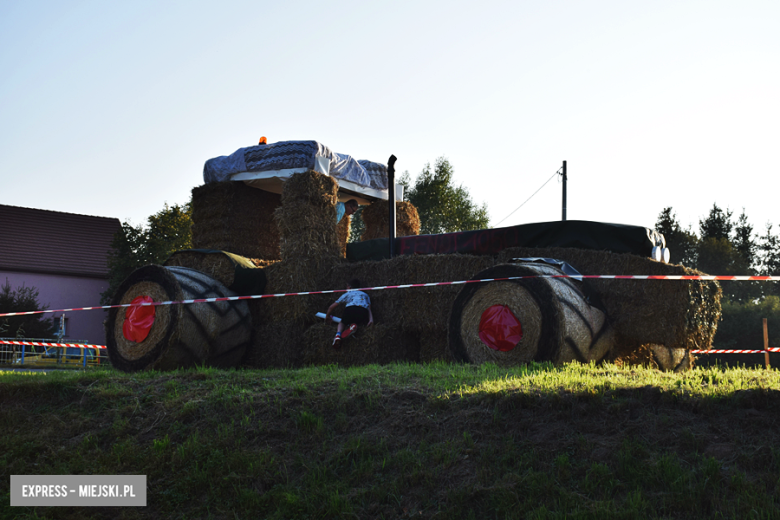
(391, 202)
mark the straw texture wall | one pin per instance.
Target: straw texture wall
(231, 216)
(310, 249)
(376, 216)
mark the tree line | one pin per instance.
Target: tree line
(729, 245)
(725, 245)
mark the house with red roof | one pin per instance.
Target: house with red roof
(65, 257)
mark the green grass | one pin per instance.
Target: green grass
(404, 441)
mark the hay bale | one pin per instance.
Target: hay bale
(217, 264)
(312, 188)
(376, 217)
(276, 344)
(288, 276)
(215, 334)
(378, 344)
(434, 346)
(342, 234)
(307, 217)
(679, 314)
(310, 249)
(415, 308)
(231, 216)
(557, 322)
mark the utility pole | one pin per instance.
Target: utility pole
(563, 206)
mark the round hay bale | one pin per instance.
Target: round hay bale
(551, 317)
(376, 216)
(680, 314)
(215, 334)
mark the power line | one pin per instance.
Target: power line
(529, 198)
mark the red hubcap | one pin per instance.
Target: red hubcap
(138, 320)
(500, 329)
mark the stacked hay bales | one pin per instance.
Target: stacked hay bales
(376, 218)
(678, 314)
(309, 250)
(420, 315)
(231, 216)
(369, 345)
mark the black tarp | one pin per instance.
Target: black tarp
(582, 234)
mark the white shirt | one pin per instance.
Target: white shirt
(355, 298)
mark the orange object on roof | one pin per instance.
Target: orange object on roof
(263, 140)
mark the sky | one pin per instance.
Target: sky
(112, 108)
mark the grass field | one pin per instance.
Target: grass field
(405, 441)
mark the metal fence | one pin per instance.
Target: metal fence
(17, 352)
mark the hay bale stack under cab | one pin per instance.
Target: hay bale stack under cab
(215, 334)
(376, 218)
(678, 314)
(307, 217)
(553, 319)
(309, 245)
(231, 216)
(415, 308)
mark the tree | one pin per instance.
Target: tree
(442, 206)
(717, 224)
(136, 246)
(24, 299)
(682, 243)
(744, 242)
(769, 259)
(356, 226)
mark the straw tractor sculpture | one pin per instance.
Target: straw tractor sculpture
(254, 242)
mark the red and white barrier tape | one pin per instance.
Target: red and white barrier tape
(82, 345)
(721, 351)
(707, 278)
(41, 344)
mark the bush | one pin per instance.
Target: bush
(742, 326)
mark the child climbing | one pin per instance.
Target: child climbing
(357, 312)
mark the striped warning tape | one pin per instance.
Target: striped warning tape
(707, 278)
(720, 351)
(43, 344)
(82, 345)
